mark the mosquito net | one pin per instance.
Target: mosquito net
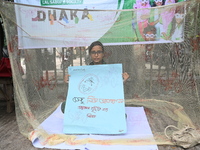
(163, 68)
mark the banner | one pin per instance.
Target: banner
(95, 101)
(71, 23)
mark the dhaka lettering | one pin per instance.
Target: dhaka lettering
(59, 15)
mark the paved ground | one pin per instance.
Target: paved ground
(11, 139)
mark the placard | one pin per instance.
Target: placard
(95, 100)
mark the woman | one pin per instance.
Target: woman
(142, 15)
(156, 20)
(96, 51)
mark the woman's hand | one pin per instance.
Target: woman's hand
(66, 78)
(125, 76)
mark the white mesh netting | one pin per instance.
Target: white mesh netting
(164, 77)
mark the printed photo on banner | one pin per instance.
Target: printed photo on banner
(150, 22)
(158, 24)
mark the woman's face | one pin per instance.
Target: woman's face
(158, 2)
(150, 36)
(145, 2)
(97, 54)
(179, 17)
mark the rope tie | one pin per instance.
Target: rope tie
(186, 137)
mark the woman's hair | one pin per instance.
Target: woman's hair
(154, 3)
(150, 28)
(179, 9)
(95, 44)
